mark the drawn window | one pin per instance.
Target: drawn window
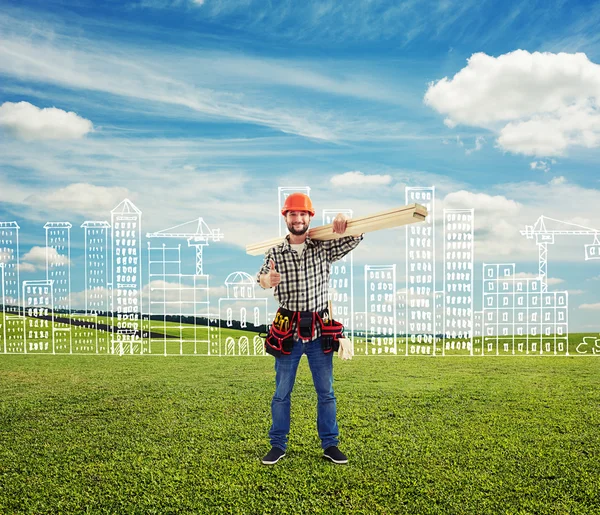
(229, 317)
(243, 317)
(256, 317)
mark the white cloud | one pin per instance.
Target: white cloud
(35, 259)
(479, 141)
(576, 292)
(544, 166)
(356, 178)
(81, 198)
(557, 181)
(28, 122)
(77, 299)
(201, 84)
(481, 202)
(539, 104)
(27, 267)
(595, 307)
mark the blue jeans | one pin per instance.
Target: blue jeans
(321, 368)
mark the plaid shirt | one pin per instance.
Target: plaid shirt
(304, 282)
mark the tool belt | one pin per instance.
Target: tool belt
(280, 338)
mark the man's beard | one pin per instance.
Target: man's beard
(297, 232)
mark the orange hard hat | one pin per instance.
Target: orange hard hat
(298, 202)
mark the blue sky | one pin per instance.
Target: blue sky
(204, 108)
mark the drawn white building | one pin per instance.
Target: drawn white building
(126, 279)
(242, 305)
(438, 300)
(401, 339)
(39, 326)
(458, 280)
(97, 266)
(420, 274)
(283, 193)
(518, 317)
(58, 270)
(179, 296)
(88, 336)
(9, 256)
(477, 332)
(380, 309)
(341, 284)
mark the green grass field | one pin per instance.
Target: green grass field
(107, 434)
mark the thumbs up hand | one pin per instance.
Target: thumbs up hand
(273, 277)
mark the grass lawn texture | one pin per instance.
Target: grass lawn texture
(453, 435)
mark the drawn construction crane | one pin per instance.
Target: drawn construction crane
(197, 233)
(545, 229)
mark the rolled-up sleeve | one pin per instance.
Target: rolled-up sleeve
(264, 269)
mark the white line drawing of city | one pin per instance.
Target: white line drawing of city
(517, 316)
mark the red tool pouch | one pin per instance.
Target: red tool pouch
(331, 332)
(280, 339)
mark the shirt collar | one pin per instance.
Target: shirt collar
(309, 243)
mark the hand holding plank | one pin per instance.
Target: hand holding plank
(340, 222)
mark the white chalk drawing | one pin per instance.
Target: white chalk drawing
(9, 257)
(545, 229)
(341, 281)
(171, 314)
(39, 322)
(174, 294)
(380, 313)
(590, 344)
(58, 272)
(420, 276)
(126, 282)
(97, 266)
(241, 305)
(457, 302)
(519, 317)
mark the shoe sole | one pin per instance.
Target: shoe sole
(337, 462)
(272, 462)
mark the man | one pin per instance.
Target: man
(298, 269)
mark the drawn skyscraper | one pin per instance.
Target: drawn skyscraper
(9, 255)
(520, 318)
(341, 285)
(380, 317)
(58, 270)
(420, 275)
(126, 278)
(458, 281)
(40, 327)
(97, 266)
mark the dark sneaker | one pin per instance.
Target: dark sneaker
(273, 456)
(334, 454)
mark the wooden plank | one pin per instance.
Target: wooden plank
(396, 217)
